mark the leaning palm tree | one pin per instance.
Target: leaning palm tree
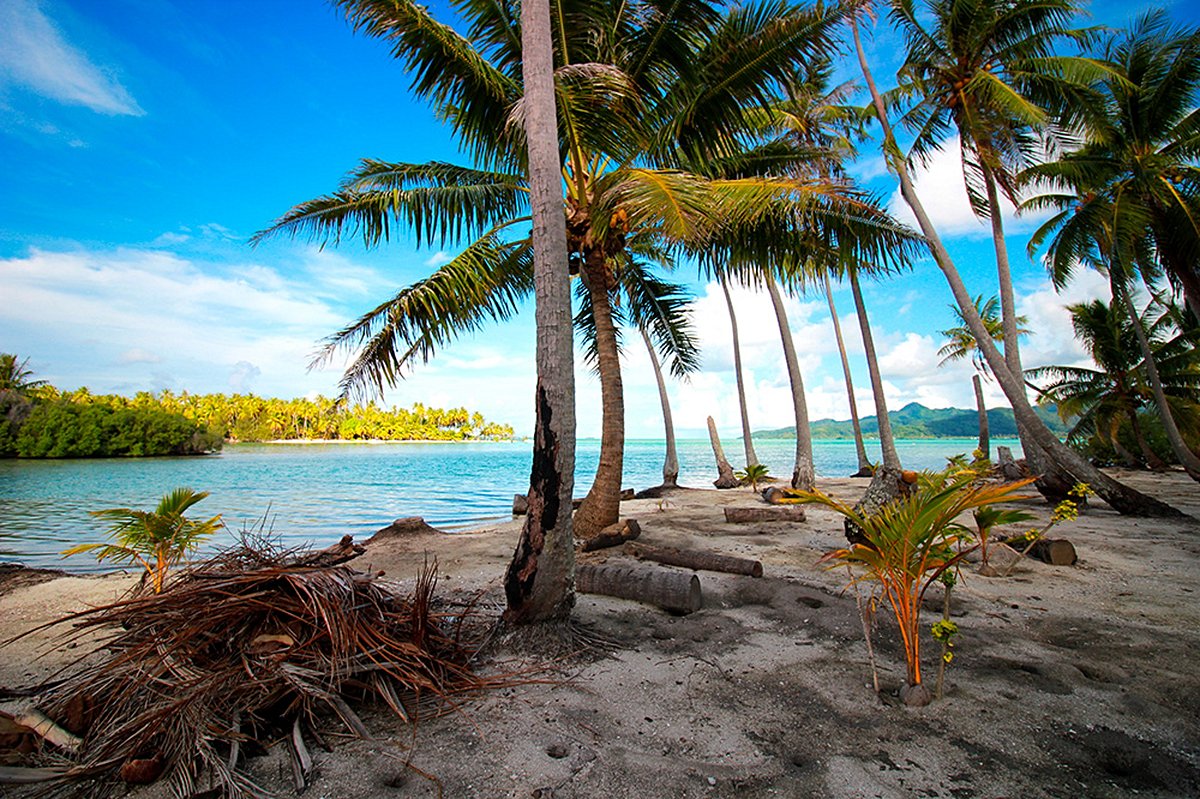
(990, 71)
(803, 472)
(864, 463)
(1067, 465)
(642, 90)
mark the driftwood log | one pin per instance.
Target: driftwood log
(340, 552)
(774, 513)
(697, 559)
(725, 478)
(613, 536)
(677, 592)
(521, 502)
(1055, 551)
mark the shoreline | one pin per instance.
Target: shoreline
(1067, 679)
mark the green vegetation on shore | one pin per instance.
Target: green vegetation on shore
(916, 421)
(40, 421)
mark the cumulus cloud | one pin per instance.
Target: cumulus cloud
(439, 258)
(35, 55)
(939, 183)
(243, 375)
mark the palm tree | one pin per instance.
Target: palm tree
(1066, 465)
(961, 344)
(642, 92)
(988, 70)
(1106, 400)
(887, 441)
(540, 580)
(671, 461)
(1138, 159)
(864, 464)
(16, 375)
(803, 473)
(751, 456)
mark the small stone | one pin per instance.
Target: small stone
(556, 751)
(712, 781)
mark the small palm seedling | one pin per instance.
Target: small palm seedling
(754, 473)
(911, 542)
(988, 518)
(156, 540)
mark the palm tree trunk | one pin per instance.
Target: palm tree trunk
(540, 581)
(1060, 458)
(1148, 454)
(602, 505)
(1008, 312)
(985, 441)
(887, 442)
(864, 465)
(751, 457)
(671, 463)
(803, 475)
(1187, 458)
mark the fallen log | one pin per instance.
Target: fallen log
(340, 552)
(521, 501)
(697, 559)
(1054, 551)
(676, 592)
(613, 536)
(774, 513)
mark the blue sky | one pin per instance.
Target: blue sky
(144, 141)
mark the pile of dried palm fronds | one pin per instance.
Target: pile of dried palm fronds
(240, 652)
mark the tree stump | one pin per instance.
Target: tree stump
(613, 536)
(725, 478)
(408, 526)
(672, 591)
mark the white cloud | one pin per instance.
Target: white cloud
(439, 258)
(138, 355)
(243, 375)
(35, 55)
(940, 187)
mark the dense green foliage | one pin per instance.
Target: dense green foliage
(916, 421)
(64, 429)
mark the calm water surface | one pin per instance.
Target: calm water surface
(315, 493)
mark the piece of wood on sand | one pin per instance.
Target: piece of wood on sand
(725, 478)
(521, 501)
(612, 536)
(673, 591)
(697, 559)
(341, 552)
(1054, 551)
(771, 513)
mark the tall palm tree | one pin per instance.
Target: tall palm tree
(989, 71)
(1137, 168)
(671, 461)
(539, 583)
(887, 441)
(1105, 401)
(1067, 466)
(864, 463)
(643, 89)
(803, 473)
(747, 442)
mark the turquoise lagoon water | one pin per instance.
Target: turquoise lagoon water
(315, 493)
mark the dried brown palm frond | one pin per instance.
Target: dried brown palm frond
(228, 657)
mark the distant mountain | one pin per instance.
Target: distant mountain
(916, 421)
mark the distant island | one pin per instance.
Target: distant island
(916, 421)
(40, 421)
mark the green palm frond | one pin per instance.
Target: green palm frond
(484, 283)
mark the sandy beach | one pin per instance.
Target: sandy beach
(1070, 681)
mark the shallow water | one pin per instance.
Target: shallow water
(315, 493)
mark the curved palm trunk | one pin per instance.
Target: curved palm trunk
(751, 457)
(1148, 454)
(887, 442)
(540, 581)
(1187, 458)
(803, 475)
(602, 505)
(1063, 460)
(671, 463)
(864, 464)
(985, 439)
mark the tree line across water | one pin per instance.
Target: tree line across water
(38, 420)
